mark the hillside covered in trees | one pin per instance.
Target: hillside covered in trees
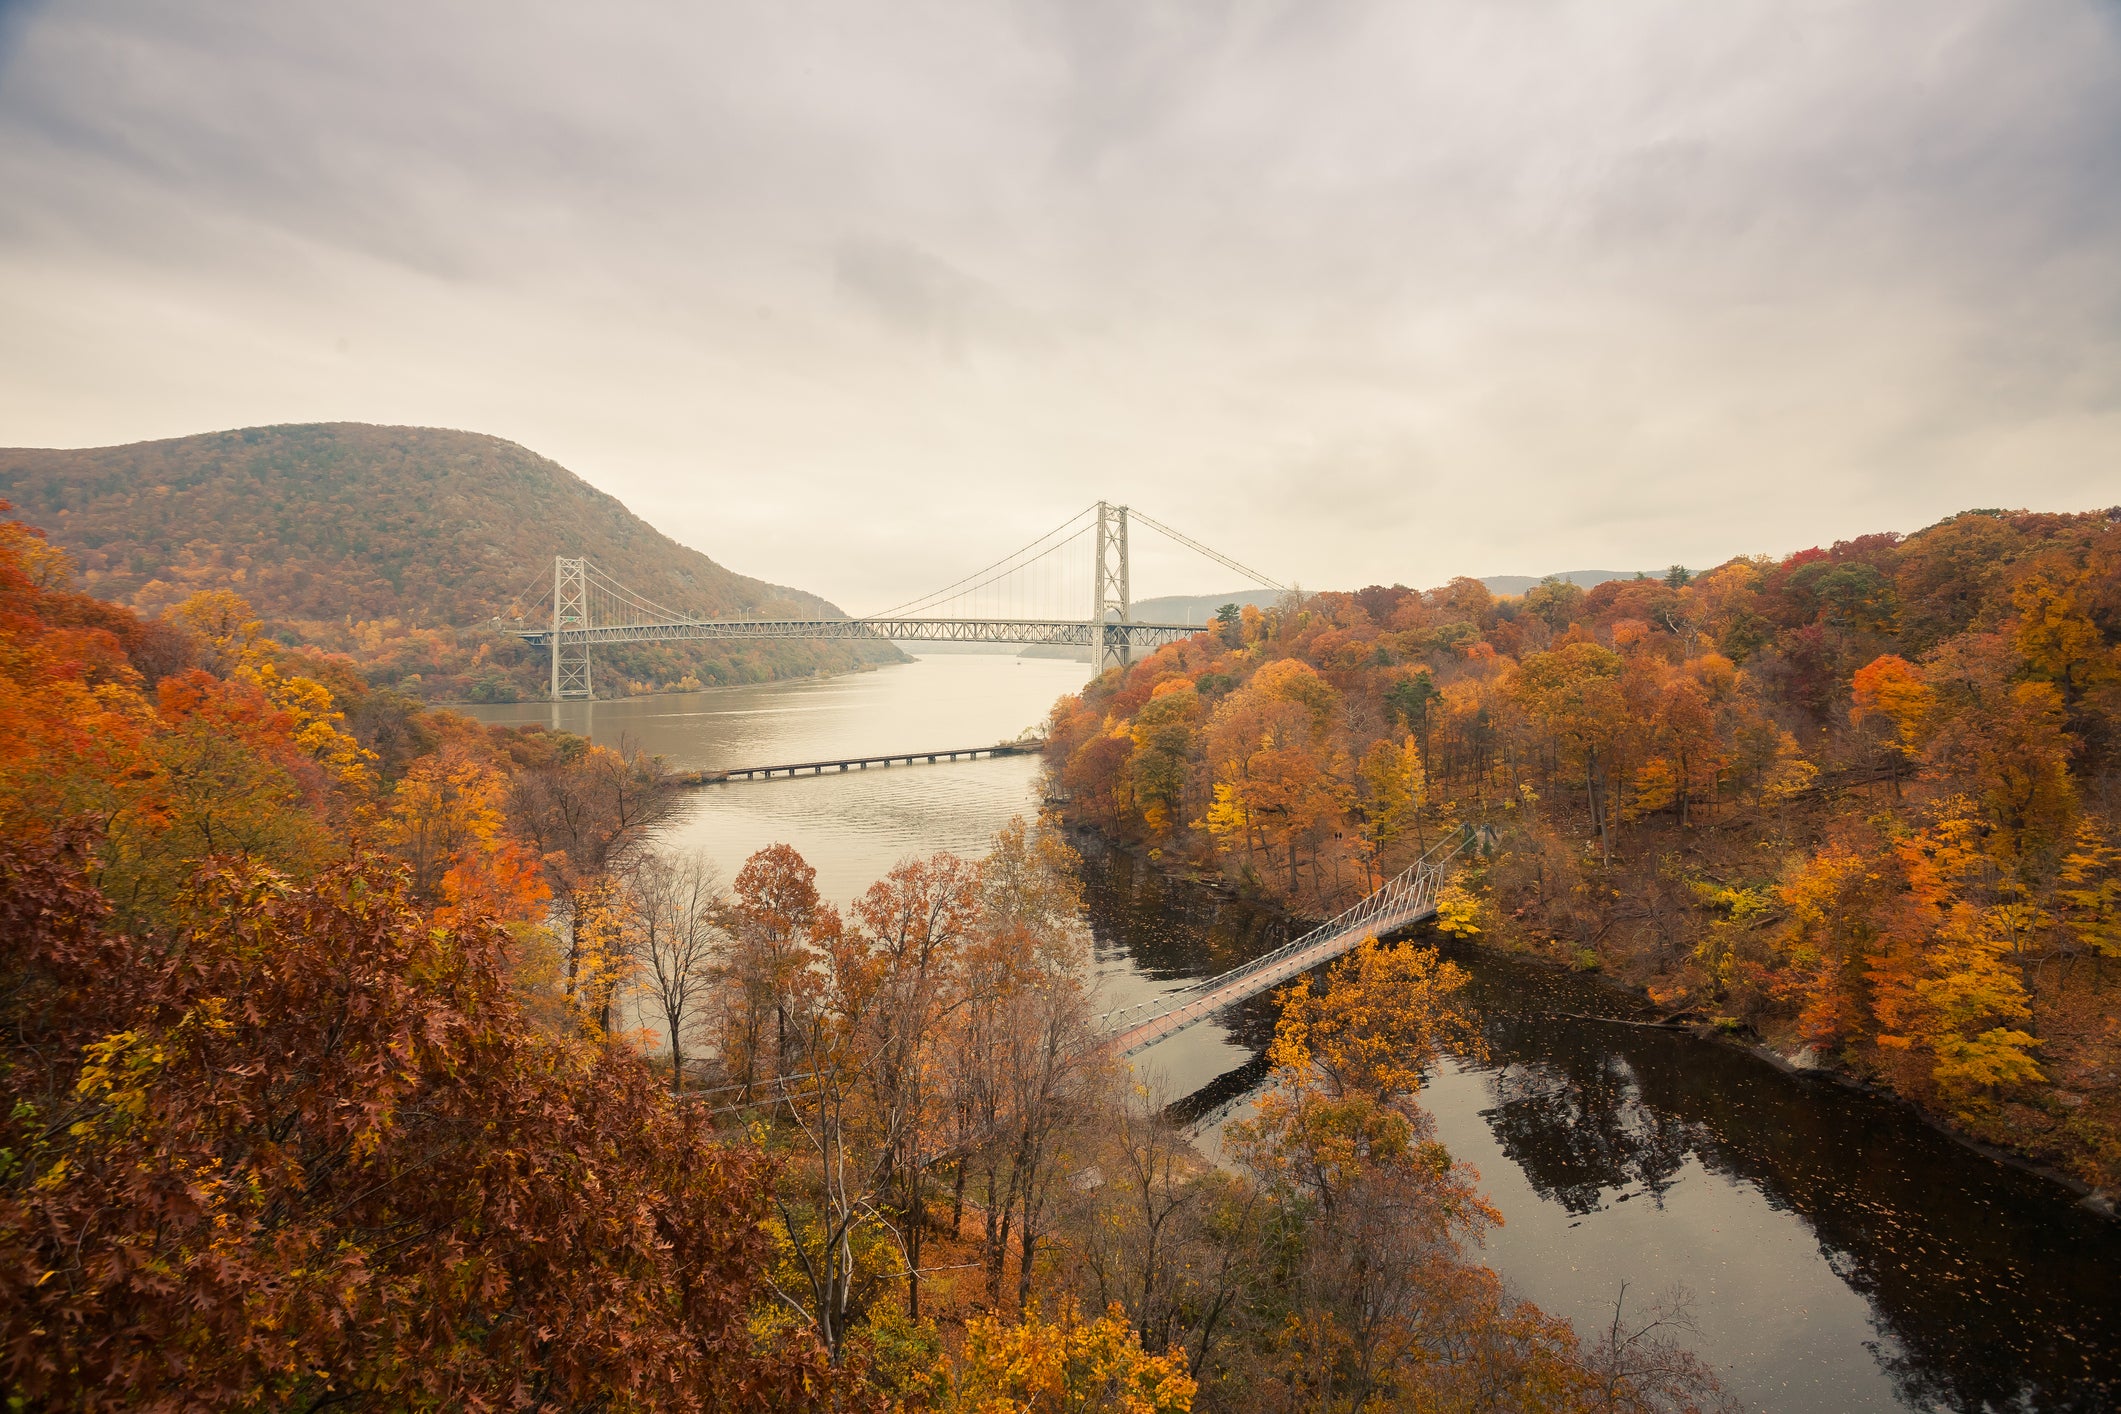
(396, 545)
(312, 1096)
(1861, 801)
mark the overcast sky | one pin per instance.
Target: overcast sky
(855, 296)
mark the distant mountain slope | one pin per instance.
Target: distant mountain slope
(1199, 608)
(395, 544)
(1519, 583)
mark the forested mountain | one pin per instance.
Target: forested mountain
(397, 545)
(1863, 801)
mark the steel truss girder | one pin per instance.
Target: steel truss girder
(1072, 633)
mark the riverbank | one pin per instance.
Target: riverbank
(1844, 1253)
(1804, 1063)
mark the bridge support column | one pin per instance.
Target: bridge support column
(1109, 649)
(570, 610)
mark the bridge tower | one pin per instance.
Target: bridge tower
(1107, 649)
(570, 609)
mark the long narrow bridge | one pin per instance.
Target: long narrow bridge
(1019, 599)
(1407, 898)
(1023, 747)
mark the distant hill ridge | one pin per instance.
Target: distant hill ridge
(395, 544)
(1199, 608)
(1519, 583)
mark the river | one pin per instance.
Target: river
(1840, 1255)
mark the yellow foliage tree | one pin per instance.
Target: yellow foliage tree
(1064, 1366)
(2056, 633)
(1385, 1015)
(601, 957)
(1395, 788)
(2092, 901)
(447, 805)
(1457, 912)
(1889, 688)
(1824, 951)
(241, 651)
(1949, 991)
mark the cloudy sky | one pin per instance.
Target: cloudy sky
(855, 295)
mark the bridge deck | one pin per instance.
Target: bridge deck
(1221, 993)
(1076, 633)
(1407, 898)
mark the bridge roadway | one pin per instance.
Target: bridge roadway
(1072, 633)
(1406, 899)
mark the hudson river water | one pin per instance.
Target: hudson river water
(1840, 1255)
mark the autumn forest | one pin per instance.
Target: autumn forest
(319, 1095)
(1858, 804)
(322, 1091)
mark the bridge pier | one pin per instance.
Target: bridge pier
(570, 610)
(1112, 591)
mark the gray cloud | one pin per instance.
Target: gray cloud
(926, 300)
(1356, 290)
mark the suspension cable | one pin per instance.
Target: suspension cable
(1191, 544)
(516, 609)
(622, 595)
(1044, 550)
(950, 590)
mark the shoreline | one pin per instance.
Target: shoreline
(2088, 1197)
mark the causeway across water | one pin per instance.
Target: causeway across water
(856, 763)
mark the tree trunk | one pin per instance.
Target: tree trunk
(916, 1219)
(677, 1056)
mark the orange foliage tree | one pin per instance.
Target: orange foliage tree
(280, 1129)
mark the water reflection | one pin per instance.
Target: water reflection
(1151, 934)
(1578, 1128)
(1984, 1286)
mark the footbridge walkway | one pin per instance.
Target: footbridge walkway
(1409, 897)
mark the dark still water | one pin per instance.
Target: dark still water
(1840, 1254)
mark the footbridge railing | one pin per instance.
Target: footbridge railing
(1407, 898)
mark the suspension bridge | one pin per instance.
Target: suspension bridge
(1024, 598)
(1016, 600)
